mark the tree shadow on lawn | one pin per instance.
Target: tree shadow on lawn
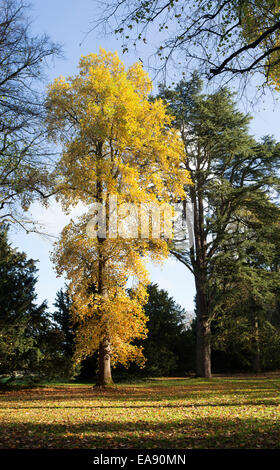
(260, 392)
(196, 432)
(156, 405)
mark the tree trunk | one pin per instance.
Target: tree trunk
(104, 376)
(203, 333)
(104, 362)
(199, 263)
(203, 349)
(256, 360)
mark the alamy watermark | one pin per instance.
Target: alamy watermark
(111, 219)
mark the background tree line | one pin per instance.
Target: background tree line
(38, 343)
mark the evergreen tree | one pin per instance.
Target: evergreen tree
(61, 316)
(232, 176)
(165, 327)
(20, 318)
(29, 342)
(247, 288)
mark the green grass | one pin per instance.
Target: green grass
(160, 413)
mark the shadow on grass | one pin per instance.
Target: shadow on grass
(185, 433)
(146, 417)
(192, 396)
(157, 405)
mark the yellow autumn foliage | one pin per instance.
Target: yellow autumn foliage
(115, 142)
(117, 314)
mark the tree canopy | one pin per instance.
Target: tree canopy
(116, 143)
(25, 159)
(232, 38)
(233, 196)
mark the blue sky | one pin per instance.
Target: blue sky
(67, 22)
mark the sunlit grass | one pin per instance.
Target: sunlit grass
(171, 413)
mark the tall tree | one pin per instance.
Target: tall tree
(25, 160)
(116, 144)
(247, 285)
(20, 317)
(231, 172)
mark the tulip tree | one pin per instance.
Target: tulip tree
(116, 143)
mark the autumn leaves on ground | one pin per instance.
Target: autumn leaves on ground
(159, 413)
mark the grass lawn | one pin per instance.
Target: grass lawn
(234, 412)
